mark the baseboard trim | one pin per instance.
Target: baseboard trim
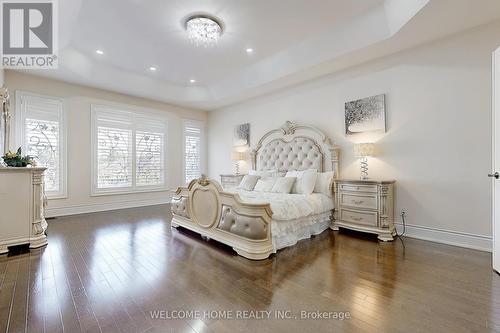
(462, 239)
(102, 207)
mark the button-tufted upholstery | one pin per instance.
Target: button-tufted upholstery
(245, 226)
(301, 153)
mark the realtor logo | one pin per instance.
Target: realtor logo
(29, 34)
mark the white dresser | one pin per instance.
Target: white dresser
(22, 208)
(366, 205)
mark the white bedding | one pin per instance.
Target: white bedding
(295, 216)
(290, 206)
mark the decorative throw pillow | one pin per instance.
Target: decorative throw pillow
(248, 182)
(323, 183)
(264, 173)
(306, 180)
(265, 185)
(283, 185)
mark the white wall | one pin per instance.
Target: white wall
(78, 100)
(438, 143)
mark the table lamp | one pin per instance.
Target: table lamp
(363, 151)
(237, 156)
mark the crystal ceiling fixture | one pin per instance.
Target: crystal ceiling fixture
(203, 30)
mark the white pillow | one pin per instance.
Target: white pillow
(248, 182)
(306, 180)
(265, 185)
(283, 184)
(264, 173)
(323, 183)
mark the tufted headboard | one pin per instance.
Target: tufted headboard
(295, 147)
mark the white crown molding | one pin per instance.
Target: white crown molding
(372, 27)
(455, 238)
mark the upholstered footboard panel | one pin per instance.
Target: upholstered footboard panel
(250, 227)
(206, 209)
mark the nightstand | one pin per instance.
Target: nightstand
(230, 181)
(365, 205)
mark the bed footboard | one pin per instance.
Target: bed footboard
(205, 208)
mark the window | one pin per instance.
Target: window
(41, 132)
(193, 135)
(129, 151)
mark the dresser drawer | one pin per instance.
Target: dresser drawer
(359, 200)
(358, 188)
(359, 217)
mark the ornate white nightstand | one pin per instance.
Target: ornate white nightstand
(230, 181)
(365, 205)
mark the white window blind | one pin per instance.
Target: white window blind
(193, 133)
(149, 148)
(129, 151)
(41, 129)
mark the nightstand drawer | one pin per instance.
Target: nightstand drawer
(230, 181)
(359, 200)
(359, 217)
(358, 188)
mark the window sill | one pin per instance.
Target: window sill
(101, 193)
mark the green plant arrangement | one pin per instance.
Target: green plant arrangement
(16, 159)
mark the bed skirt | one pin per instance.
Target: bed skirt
(288, 233)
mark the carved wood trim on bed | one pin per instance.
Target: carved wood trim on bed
(205, 208)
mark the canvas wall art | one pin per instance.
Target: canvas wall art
(365, 115)
(242, 135)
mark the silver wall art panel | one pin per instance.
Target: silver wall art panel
(365, 115)
(241, 135)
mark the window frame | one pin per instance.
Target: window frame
(135, 113)
(201, 125)
(20, 132)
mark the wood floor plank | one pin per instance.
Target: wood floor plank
(112, 271)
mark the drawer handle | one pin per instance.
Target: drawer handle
(358, 202)
(356, 218)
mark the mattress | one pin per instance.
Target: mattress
(288, 207)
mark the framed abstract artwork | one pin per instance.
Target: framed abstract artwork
(365, 115)
(241, 135)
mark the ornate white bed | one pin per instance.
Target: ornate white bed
(204, 207)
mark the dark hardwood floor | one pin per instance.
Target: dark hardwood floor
(108, 271)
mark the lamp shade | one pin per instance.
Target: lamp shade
(237, 156)
(364, 149)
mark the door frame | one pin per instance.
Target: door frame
(495, 107)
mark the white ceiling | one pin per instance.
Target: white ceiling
(293, 40)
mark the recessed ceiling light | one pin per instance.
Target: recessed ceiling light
(99, 52)
(192, 81)
(153, 69)
(249, 50)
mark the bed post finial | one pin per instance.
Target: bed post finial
(253, 156)
(203, 180)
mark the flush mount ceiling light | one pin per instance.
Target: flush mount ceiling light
(203, 30)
